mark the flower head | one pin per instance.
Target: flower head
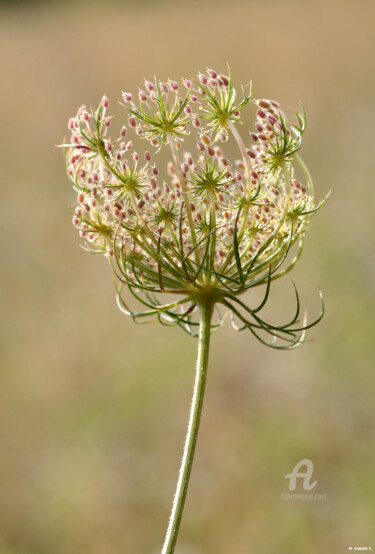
(205, 227)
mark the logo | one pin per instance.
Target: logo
(303, 470)
(305, 475)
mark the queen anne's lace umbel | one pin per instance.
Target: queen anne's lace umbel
(204, 226)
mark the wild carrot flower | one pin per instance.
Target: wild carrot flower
(206, 228)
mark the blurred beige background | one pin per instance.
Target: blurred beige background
(93, 409)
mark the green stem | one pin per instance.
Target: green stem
(185, 195)
(306, 173)
(206, 310)
(245, 210)
(212, 209)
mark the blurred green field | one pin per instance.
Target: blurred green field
(92, 408)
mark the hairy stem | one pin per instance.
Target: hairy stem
(206, 310)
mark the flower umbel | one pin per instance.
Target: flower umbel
(207, 227)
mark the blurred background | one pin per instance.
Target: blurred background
(93, 409)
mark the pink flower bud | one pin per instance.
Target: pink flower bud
(173, 85)
(150, 86)
(202, 78)
(206, 139)
(108, 146)
(123, 132)
(212, 73)
(147, 156)
(264, 104)
(272, 119)
(196, 122)
(105, 102)
(142, 96)
(132, 122)
(127, 96)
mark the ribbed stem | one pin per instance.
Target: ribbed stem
(206, 310)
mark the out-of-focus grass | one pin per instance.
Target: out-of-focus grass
(93, 409)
